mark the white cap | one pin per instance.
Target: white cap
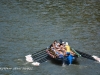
(66, 43)
(63, 42)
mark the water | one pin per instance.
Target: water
(27, 26)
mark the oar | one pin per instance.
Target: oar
(36, 55)
(44, 59)
(39, 51)
(76, 53)
(63, 65)
(88, 56)
(40, 56)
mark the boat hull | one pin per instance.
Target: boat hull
(66, 59)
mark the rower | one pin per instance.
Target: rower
(68, 49)
(69, 53)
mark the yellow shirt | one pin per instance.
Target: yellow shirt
(67, 48)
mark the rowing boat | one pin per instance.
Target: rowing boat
(69, 59)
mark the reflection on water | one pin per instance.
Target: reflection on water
(27, 26)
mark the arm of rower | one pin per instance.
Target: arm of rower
(72, 52)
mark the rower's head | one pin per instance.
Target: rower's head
(55, 41)
(61, 45)
(63, 42)
(66, 43)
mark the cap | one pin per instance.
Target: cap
(62, 42)
(66, 43)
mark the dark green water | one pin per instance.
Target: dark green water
(27, 26)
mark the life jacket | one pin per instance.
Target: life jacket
(67, 48)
